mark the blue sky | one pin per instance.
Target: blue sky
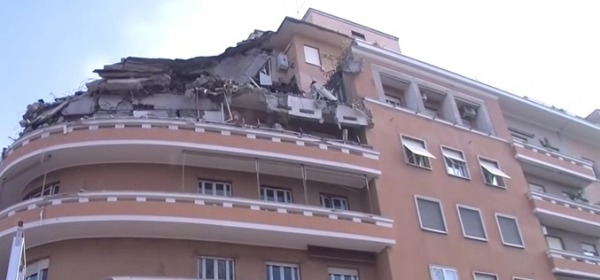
(547, 50)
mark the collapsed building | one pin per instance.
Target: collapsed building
(249, 85)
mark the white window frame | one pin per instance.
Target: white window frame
(344, 272)
(202, 187)
(499, 178)
(343, 201)
(422, 156)
(294, 266)
(518, 229)
(35, 268)
(484, 274)
(287, 194)
(444, 269)
(449, 157)
(439, 202)
(392, 100)
(51, 189)
(229, 268)
(458, 207)
(307, 58)
(562, 243)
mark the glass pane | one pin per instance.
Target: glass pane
(431, 214)
(219, 189)
(280, 196)
(276, 270)
(44, 274)
(287, 273)
(209, 269)
(437, 274)
(509, 230)
(200, 269)
(208, 188)
(221, 270)
(325, 202)
(449, 275)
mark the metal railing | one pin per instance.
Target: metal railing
(226, 202)
(554, 199)
(250, 132)
(573, 256)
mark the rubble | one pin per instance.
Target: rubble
(234, 87)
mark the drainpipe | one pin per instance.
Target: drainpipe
(183, 172)
(369, 195)
(257, 169)
(303, 170)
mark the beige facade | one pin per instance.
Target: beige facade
(424, 174)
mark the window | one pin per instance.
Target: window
(394, 101)
(358, 35)
(210, 268)
(395, 90)
(492, 174)
(214, 188)
(37, 270)
(48, 190)
(555, 243)
(442, 273)
(589, 249)
(536, 187)
(471, 223)
(430, 214)
(433, 102)
(484, 276)
(509, 230)
(311, 55)
(455, 163)
(342, 274)
(334, 202)
(276, 194)
(276, 271)
(520, 135)
(415, 152)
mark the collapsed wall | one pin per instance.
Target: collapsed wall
(228, 88)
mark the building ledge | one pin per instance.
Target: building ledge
(574, 264)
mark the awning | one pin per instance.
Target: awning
(416, 148)
(493, 169)
(451, 154)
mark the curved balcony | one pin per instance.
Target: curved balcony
(573, 264)
(554, 166)
(567, 214)
(178, 142)
(191, 217)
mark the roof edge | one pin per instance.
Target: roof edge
(468, 81)
(348, 22)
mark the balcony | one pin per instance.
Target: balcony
(554, 166)
(563, 213)
(192, 217)
(573, 264)
(177, 142)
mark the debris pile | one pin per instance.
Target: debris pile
(233, 87)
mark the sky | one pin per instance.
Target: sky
(546, 50)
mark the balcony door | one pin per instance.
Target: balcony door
(555, 243)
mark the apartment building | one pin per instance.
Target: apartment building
(317, 151)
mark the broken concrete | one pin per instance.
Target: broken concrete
(234, 87)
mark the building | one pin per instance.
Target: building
(317, 151)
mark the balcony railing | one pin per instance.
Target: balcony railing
(554, 199)
(227, 202)
(573, 256)
(249, 132)
(557, 155)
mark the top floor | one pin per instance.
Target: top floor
(353, 29)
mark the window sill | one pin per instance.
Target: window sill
(476, 238)
(419, 166)
(434, 230)
(514, 245)
(495, 186)
(459, 177)
(315, 65)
